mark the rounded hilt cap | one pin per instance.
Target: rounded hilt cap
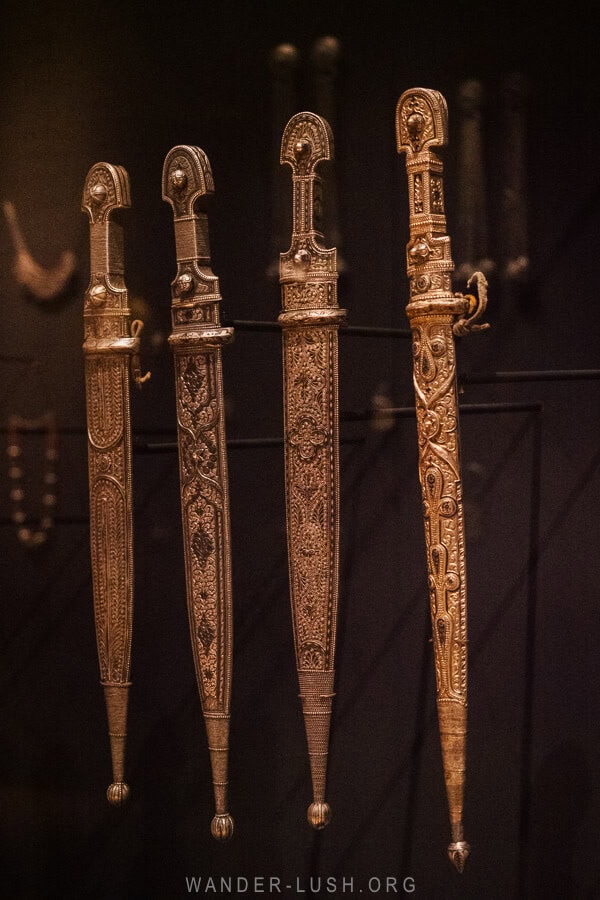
(458, 852)
(221, 827)
(117, 793)
(319, 814)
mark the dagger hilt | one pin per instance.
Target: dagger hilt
(308, 271)
(107, 324)
(188, 187)
(421, 127)
(196, 339)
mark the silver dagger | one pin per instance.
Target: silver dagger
(196, 339)
(310, 319)
(111, 350)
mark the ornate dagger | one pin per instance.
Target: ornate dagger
(436, 314)
(310, 319)
(196, 340)
(111, 349)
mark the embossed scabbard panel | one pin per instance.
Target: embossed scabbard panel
(196, 340)
(436, 314)
(108, 348)
(310, 319)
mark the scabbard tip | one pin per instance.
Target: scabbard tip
(458, 852)
(221, 827)
(319, 814)
(117, 793)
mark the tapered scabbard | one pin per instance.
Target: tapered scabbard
(196, 341)
(436, 314)
(310, 319)
(111, 343)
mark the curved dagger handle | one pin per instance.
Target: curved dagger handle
(110, 349)
(310, 318)
(436, 314)
(196, 340)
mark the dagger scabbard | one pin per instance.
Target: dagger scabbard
(310, 319)
(436, 314)
(111, 345)
(196, 340)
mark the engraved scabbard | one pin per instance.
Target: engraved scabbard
(111, 343)
(196, 340)
(310, 319)
(436, 314)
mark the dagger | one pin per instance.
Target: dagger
(436, 314)
(111, 351)
(310, 319)
(196, 340)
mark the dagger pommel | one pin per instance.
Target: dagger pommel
(106, 188)
(421, 122)
(307, 140)
(187, 177)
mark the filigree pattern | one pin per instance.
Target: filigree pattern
(106, 386)
(436, 314)
(307, 141)
(310, 462)
(109, 467)
(109, 519)
(108, 349)
(437, 421)
(203, 488)
(100, 191)
(421, 120)
(309, 318)
(306, 296)
(196, 340)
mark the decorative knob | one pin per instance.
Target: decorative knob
(184, 284)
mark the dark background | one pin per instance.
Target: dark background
(111, 82)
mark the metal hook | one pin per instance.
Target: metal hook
(136, 368)
(476, 306)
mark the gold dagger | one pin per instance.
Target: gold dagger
(196, 340)
(310, 319)
(111, 349)
(436, 314)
